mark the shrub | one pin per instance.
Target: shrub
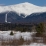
(11, 33)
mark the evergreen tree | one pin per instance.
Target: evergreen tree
(40, 28)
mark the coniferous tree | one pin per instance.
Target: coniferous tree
(40, 28)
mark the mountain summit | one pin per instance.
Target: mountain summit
(23, 8)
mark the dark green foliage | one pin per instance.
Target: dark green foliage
(11, 33)
(16, 27)
(23, 29)
(40, 28)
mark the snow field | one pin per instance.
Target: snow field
(5, 35)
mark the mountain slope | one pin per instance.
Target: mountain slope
(36, 17)
(15, 18)
(23, 8)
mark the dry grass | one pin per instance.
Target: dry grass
(39, 38)
(21, 41)
(15, 42)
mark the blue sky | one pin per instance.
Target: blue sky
(10, 2)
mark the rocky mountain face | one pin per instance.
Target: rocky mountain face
(32, 18)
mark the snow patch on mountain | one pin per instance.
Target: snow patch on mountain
(23, 8)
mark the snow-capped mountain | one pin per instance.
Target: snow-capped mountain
(23, 12)
(23, 8)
